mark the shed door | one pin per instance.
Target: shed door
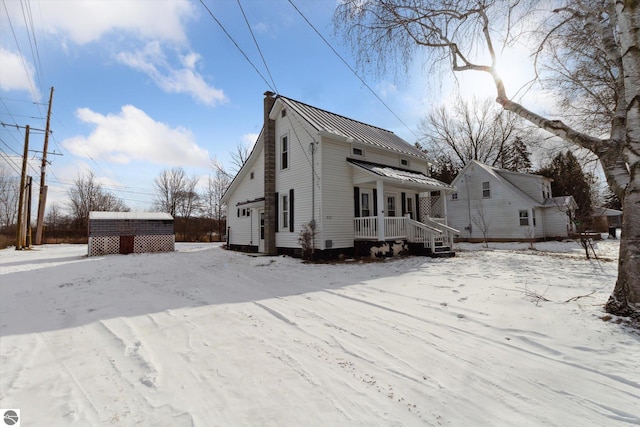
(126, 245)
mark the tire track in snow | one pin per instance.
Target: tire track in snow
(619, 382)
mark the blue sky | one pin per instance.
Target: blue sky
(142, 86)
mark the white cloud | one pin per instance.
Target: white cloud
(387, 88)
(249, 139)
(132, 135)
(14, 75)
(87, 21)
(152, 61)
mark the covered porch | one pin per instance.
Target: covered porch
(399, 204)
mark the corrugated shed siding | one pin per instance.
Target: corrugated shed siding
(126, 227)
(337, 195)
(248, 189)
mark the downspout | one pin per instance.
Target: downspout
(466, 184)
(313, 197)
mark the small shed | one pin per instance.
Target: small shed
(130, 232)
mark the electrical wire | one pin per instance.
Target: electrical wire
(351, 69)
(236, 45)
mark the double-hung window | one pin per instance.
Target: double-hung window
(284, 152)
(391, 206)
(524, 217)
(285, 211)
(486, 190)
(365, 204)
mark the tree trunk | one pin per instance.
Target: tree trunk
(625, 299)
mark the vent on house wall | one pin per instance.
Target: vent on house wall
(328, 244)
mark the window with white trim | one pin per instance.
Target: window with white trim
(454, 196)
(284, 152)
(404, 162)
(486, 190)
(285, 211)
(391, 205)
(410, 207)
(524, 217)
(357, 151)
(365, 204)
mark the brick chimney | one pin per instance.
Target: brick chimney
(269, 131)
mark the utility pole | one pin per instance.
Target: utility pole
(42, 199)
(23, 177)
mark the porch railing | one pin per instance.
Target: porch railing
(431, 233)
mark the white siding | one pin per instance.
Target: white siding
(556, 222)
(501, 210)
(298, 176)
(531, 185)
(384, 157)
(337, 195)
(242, 233)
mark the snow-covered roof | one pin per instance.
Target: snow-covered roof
(401, 175)
(602, 211)
(131, 215)
(348, 128)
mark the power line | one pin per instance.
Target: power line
(236, 45)
(258, 46)
(24, 65)
(351, 68)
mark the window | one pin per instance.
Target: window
(358, 152)
(391, 206)
(533, 217)
(284, 152)
(365, 207)
(285, 211)
(454, 196)
(486, 190)
(410, 207)
(404, 162)
(524, 217)
(284, 113)
(251, 175)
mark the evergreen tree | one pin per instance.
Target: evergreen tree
(444, 170)
(518, 157)
(570, 180)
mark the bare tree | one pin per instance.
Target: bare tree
(217, 185)
(175, 192)
(9, 195)
(467, 35)
(483, 221)
(87, 195)
(471, 130)
(239, 157)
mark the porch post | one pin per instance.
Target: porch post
(444, 206)
(381, 209)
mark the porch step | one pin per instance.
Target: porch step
(442, 252)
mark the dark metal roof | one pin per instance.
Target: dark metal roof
(345, 127)
(402, 175)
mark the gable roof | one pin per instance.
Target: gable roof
(498, 175)
(345, 127)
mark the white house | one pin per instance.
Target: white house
(497, 204)
(360, 186)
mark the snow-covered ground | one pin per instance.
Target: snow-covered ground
(204, 336)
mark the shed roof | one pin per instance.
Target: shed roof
(401, 175)
(157, 216)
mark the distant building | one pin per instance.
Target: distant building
(130, 232)
(509, 206)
